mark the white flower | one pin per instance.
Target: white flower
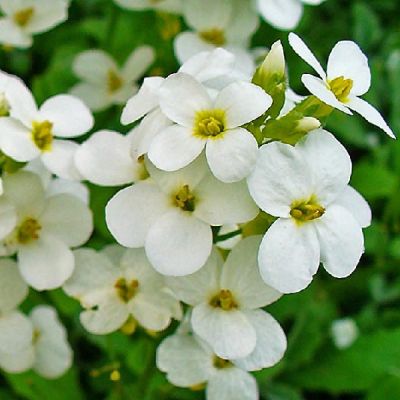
(106, 159)
(31, 132)
(206, 67)
(284, 14)
(112, 290)
(226, 301)
(171, 213)
(191, 363)
(223, 23)
(103, 82)
(348, 76)
(24, 18)
(201, 122)
(45, 230)
(37, 342)
(344, 332)
(303, 187)
(173, 6)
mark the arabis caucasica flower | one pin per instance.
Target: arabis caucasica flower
(173, 6)
(302, 186)
(211, 123)
(284, 14)
(348, 76)
(224, 23)
(104, 83)
(171, 213)
(115, 289)
(30, 132)
(189, 362)
(226, 301)
(24, 18)
(45, 230)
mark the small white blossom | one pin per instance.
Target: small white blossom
(344, 332)
(226, 301)
(305, 187)
(30, 132)
(113, 290)
(24, 18)
(172, 6)
(348, 76)
(45, 229)
(170, 215)
(104, 83)
(284, 14)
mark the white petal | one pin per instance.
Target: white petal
(93, 66)
(224, 203)
(143, 102)
(23, 105)
(174, 148)
(138, 62)
(306, 54)
(348, 61)
(330, 164)
(18, 362)
(108, 317)
(232, 156)
(111, 149)
(232, 384)
(188, 45)
(243, 102)
(16, 141)
(240, 274)
(271, 342)
(178, 243)
(289, 255)
(69, 115)
(196, 288)
(65, 186)
(46, 263)
(68, 219)
(352, 201)
(47, 15)
(181, 96)
(281, 176)
(229, 333)
(16, 332)
(95, 97)
(60, 160)
(132, 211)
(184, 360)
(12, 35)
(13, 288)
(370, 113)
(25, 192)
(53, 354)
(283, 14)
(341, 241)
(8, 217)
(318, 88)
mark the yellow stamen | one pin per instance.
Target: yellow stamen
(28, 231)
(220, 363)
(214, 36)
(184, 199)
(114, 81)
(341, 88)
(303, 211)
(22, 17)
(126, 290)
(209, 123)
(42, 135)
(225, 300)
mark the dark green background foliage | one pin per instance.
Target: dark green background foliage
(312, 368)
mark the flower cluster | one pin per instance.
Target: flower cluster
(221, 155)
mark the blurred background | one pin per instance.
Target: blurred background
(344, 335)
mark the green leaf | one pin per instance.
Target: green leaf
(387, 388)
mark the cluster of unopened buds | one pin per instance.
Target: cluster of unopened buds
(233, 195)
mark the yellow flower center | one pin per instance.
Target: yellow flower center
(304, 211)
(184, 199)
(220, 363)
(341, 88)
(209, 123)
(214, 36)
(224, 299)
(114, 81)
(126, 290)
(28, 231)
(22, 17)
(42, 135)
